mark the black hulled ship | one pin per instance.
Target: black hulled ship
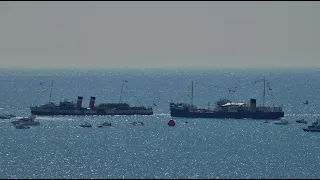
(226, 109)
(75, 108)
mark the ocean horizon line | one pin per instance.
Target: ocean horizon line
(151, 71)
(154, 68)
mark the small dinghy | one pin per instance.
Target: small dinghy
(138, 123)
(106, 124)
(21, 126)
(282, 122)
(302, 121)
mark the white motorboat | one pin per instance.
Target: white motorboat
(106, 124)
(21, 126)
(138, 123)
(6, 116)
(86, 124)
(315, 126)
(282, 122)
(315, 123)
(302, 121)
(29, 121)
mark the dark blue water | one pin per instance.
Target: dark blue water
(202, 148)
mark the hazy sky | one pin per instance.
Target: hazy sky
(159, 34)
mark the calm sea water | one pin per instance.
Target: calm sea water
(202, 148)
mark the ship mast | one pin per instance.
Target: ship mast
(264, 90)
(121, 92)
(132, 94)
(192, 93)
(51, 91)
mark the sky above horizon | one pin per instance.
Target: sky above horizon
(159, 34)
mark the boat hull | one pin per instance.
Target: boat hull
(302, 122)
(26, 123)
(311, 130)
(227, 115)
(85, 126)
(54, 112)
(281, 123)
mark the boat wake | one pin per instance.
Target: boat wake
(162, 114)
(53, 118)
(302, 115)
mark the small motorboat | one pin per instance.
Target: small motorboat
(21, 126)
(86, 124)
(7, 116)
(315, 123)
(29, 121)
(138, 123)
(281, 122)
(106, 124)
(302, 121)
(313, 128)
(306, 102)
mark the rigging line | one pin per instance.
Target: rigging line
(270, 90)
(132, 94)
(183, 94)
(247, 84)
(226, 88)
(42, 94)
(230, 88)
(121, 93)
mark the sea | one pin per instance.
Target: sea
(200, 148)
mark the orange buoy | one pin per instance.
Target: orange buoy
(171, 123)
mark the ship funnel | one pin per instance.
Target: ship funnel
(253, 104)
(79, 101)
(92, 101)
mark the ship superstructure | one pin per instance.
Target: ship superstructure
(71, 108)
